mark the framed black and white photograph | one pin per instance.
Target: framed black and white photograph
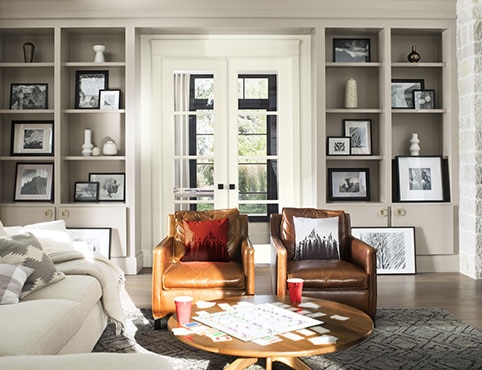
(111, 186)
(86, 191)
(421, 179)
(92, 240)
(360, 132)
(34, 182)
(29, 96)
(402, 92)
(88, 84)
(351, 50)
(424, 99)
(32, 138)
(348, 184)
(109, 99)
(338, 145)
(395, 247)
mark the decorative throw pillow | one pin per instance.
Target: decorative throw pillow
(52, 235)
(12, 279)
(316, 238)
(25, 250)
(206, 240)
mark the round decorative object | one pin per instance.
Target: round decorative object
(95, 151)
(99, 53)
(109, 148)
(414, 145)
(351, 94)
(413, 57)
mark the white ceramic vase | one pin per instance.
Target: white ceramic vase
(414, 145)
(99, 53)
(109, 148)
(351, 94)
(87, 145)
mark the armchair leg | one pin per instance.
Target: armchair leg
(161, 323)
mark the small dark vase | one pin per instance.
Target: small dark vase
(28, 51)
(413, 57)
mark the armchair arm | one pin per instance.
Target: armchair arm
(162, 258)
(363, 255)
(279, 265)
(247, 258)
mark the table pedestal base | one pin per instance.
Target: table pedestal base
(293, 362)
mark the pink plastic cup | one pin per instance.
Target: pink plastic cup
(183, 309)
(295, 286)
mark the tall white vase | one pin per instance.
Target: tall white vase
(351, 94)
(87, 145)
(99, 53)
(414, 145)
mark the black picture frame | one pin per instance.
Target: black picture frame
(109, 99)
(348, 184)
(28, 96)
(87, 87)
(32, 138)
(396, 251)
(338, 145)
(34, 182)
(86, 191)
(421, 179)
(360, 132)
(92, 239)
(424, 99)
(351, 50)
(111, 185)
(402, 92)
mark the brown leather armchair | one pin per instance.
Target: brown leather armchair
(352, 279)
(203, 280)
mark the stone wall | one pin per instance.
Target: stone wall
(469, 53)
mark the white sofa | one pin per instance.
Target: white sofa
(66, 316)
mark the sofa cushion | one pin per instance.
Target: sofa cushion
(287, 227)
(316, 238)
(233, 236)
(206, 240)
(204, 275)
(25, 250)
(12, 279)
(328, 274)
(48, 318)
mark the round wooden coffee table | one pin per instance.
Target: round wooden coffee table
(349, 332)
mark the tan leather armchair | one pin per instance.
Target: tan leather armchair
(352, 279)
(203, 280)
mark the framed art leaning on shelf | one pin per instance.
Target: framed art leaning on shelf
(87, 87)
(111, 186)
(29, 96)
(348, 184)
(34, 182)
(32, 138)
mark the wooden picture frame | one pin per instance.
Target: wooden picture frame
(421, 179)
(360, 132)
(424, 99)
(109, 99)
(32, 138)
(338, 145)
(34, 182)
(87, 87)
(29, 96)
(351, 50)
(92, 240)
(86, 191)
(348, 184)
(402, 92)
(396, 253)
(111, 186)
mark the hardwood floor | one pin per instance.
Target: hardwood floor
(455, 292)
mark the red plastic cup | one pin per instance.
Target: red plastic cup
(295, 286)
(183, 309)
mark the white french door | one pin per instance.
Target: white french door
(222, 123)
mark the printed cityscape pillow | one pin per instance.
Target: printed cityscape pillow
(12, 279)
(206, 240)
(316, 238)
(25, 250)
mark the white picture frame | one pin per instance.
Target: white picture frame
(92, 239)
(396, 253)
(109, 99)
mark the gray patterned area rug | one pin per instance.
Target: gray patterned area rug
(421, 338)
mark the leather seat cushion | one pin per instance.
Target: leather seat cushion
(328, 274)
(204, 275)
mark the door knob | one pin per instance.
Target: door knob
(65, 213)
(400, 212)
(48, 213)
(382, 212)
